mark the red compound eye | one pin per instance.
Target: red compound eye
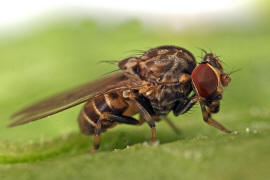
(204, 80)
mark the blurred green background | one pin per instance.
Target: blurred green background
(64, 53)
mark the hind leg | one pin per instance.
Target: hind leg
(97, 136)
(113, 119)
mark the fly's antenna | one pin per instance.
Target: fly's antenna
(234, 71)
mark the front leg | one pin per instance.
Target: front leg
(181, 108)
(207, 118)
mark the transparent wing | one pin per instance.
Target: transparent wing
(70, 99)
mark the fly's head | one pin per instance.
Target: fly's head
(208, 80)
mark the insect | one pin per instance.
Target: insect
(161, 80)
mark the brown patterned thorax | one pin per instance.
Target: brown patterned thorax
(164, 68)
(163, 64)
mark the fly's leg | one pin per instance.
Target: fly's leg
(112, 118)
(206, 114)
(145, 110)
(147, 117)
(154, 117)
(167, 120)
(183, 108)
(97, 136)
(207, 118)
(141, 119)
(122, 119)
(170, 123)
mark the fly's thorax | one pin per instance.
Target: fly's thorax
(161, 64)
(167, 69)
(164, 97)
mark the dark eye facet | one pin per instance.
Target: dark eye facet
(204, 80)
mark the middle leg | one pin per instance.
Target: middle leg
(145, 115)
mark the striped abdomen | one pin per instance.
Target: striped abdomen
(113, 103)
